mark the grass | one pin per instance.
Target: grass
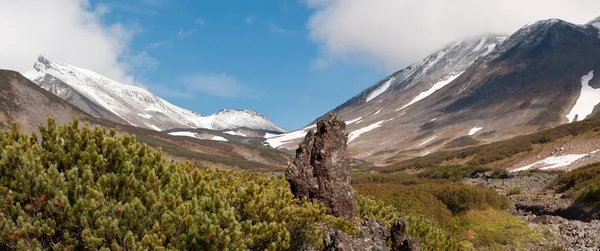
(493, 229)
(582, 184)
(515, 191)
(462, 142)
(473, 217)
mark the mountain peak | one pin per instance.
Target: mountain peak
(239, 111)
(595, 21)
(43, 63)
(134, 105)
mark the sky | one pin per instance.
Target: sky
(292, 60)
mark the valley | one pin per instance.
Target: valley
(489, 143)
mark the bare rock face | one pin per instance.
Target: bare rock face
(321, 170)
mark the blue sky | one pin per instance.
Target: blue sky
(208, 55)
(292, 60)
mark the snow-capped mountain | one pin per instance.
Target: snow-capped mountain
(478, 90)
(105, 98)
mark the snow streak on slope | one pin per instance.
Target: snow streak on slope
(379, 90)
(219, 138)
(187, 134)
(138, 106)
(553, 162)
(435, 87)
(588, 99)
(277, 140)
(474, 130)
(353, 135)
(353, 121)
(427, 141)
(234, 133)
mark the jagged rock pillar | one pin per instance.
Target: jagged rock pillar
(321, 170)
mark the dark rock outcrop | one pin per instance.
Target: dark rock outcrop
(372, 236)
(400, 239)
(321, 170)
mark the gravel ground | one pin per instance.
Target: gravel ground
(546, 210)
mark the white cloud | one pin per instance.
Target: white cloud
(249, 20)
(221, 85)
(183, 33)
(68, 30)
(397, 33)
(200, 21)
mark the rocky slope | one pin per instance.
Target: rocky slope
(542, 206)
(480, 90)
(105, 98)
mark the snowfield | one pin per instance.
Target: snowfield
(588, 98)
(187, 134)
(553, 162)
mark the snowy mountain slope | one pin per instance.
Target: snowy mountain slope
(383, 101)
(106, 98)
(479, 90)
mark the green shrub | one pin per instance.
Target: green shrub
(431, 235)
(581, 184)
(462, 198)
(453, 173)
(83, 188)
(515, 191)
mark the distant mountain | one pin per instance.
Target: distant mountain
(25, 103)
(475, 91)
(106, 98)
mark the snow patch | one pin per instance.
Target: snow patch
(354, 134)
(377, 112)
(154, 127)
(553, 162)
(480, 45)
(219, 138)
(188, 134)
(435, 87)
(474, 130)
(379, 90)
(277, 140)
(588, 98)
(147, 116)
(427, 141)
(354, 120)
(234, 133)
